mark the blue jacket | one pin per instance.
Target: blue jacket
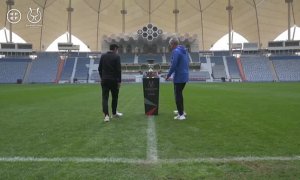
(179, 65)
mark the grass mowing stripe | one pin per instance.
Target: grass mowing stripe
(142, 161)
(151, 140)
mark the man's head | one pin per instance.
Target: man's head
(114, 47)
(173, 42)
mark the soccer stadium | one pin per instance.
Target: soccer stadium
(242, 100)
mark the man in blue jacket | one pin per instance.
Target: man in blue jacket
(180, 70)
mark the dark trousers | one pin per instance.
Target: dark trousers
(178, 88)
(109, 86)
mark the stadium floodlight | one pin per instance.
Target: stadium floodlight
(67, 46)
(16, 47)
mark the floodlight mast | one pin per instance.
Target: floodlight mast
(98, 19)
(289, 3)
(123, 12)
(229, 8)
(149, 11)
(70, 10)
(9, 4)
(176, 12)
(202, 31)
(257, 24)
(42, 27)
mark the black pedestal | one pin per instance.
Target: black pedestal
(151, 95)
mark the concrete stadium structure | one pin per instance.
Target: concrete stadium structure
(92, 21)
(142, 29)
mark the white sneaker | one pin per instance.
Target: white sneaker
(106, 118)
(117, 115)
(176, 113)
(178, 117)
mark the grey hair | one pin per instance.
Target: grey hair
(174, 40)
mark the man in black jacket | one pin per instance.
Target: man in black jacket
(110, 74)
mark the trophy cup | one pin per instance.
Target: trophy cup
(150, 73)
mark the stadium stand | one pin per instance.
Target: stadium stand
(199, 76)
(257, 68)
(233, 67)
(129, 77)
(168, 57)
(96, 60)
(13, 69)
(127, 58)
(218, 72)
(221, 53)
(44, 68)
(164, 67)
(218, 68)
(95, 76)
(82, 68)
(203, 59)
(144, 57)
(78, 54)
(194, 56)
(68, 69)
(218, 60)
(195, 66)
(287, 67)
(133, 68)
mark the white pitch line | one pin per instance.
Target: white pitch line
(149, 161)
(72, 159)
(230, 159)
(151, 140)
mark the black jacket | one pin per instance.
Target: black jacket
(110, 66)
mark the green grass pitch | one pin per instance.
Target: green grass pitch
(224, 121)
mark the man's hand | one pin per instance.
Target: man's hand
(165, 76)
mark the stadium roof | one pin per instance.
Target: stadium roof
(272, 19)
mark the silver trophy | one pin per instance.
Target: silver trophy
(150, 65)
(150, 73)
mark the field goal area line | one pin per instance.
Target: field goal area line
(152, 157)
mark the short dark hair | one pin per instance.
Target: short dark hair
(113, 47)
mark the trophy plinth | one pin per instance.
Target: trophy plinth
(151, 90)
